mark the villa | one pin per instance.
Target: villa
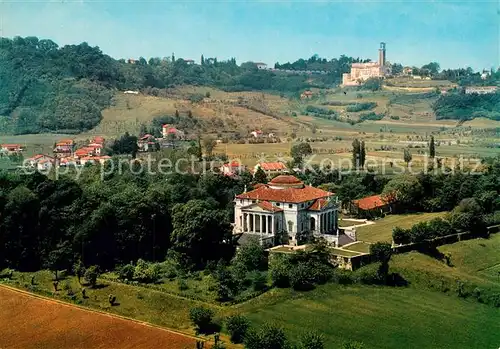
(286, 204)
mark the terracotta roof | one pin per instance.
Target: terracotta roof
(11, 145)
(94, 145)
(292, 195)
(233, 164)
(258, 185)
(272, 166)
(318, 205)
(285, 179)
(66, 141)
(370, 202)
(40, 156)
(265, 205)
(98, 139)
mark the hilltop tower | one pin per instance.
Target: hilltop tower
(381, 54)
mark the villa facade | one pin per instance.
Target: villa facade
(285, 204)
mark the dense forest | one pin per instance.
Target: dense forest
(467, 106)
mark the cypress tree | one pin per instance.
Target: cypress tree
(432, 148)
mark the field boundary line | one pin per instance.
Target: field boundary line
(101, 312)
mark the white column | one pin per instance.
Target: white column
(273, 228)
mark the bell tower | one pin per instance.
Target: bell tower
(381, 54)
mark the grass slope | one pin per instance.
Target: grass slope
(381, 317)
(382, 229)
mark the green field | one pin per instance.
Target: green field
(382, 229)
(381, 317)
(419, 316)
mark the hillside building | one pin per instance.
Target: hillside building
(285, 204)
(361, 72)
(481, 90)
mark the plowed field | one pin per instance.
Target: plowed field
(30, 322)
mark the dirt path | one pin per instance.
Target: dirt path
(31, 321)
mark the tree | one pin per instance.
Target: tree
(237, 326)
(201, 318)
(372, 84)
(209, 145)
(432, 148)
(251, 256)
(79, 269)
(126, 144)
(227, 286)
(432, 68)
(200, 232)
(382, 252)
(407, 156)
(311, 340)
(59, 258)
(268, 336)
(405, 190)
(362, 154)
(396, 68)
(279, 270)
(299, 151)
(356, 153)
(260, 176)
(91, 275)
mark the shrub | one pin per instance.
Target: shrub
(201, 317)
(126, 272)
(237, 326)
(267, 337)
(300, 277)
(401, 236)
(369, 275)
(146, 272)
(279, 270)
(182, 284)
(259, 281)
(311, 340)
(360, 107)
(91, 275)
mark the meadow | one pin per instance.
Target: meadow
(382, 229)
(425, 314)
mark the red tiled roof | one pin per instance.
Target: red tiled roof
(233, 164)
(40, 156)
(370, 202)
(266, 205)
(292, 195)
(98, 139)
(66, 141)
(318, 205)
(272, 166)
(285, 179)
(11, 145)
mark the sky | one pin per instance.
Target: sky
(455, 34)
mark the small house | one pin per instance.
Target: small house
(272, 168)
(257, 133)
(370, 206)
(306, 95)
(12, 148)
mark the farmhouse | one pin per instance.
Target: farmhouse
(146, 143)
(64, 147)
(12, 148)
(189, 61)
(370, 206)
(285, 204)
(363, 71)
(171, 132)
(306, 95)
(35, 160)
(261, 65)
(271, 168)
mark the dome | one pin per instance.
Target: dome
(286, 181)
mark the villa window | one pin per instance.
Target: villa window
(290, 205)
(278, 204)
(253, 201)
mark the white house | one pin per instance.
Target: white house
(261, 65)
(285, 204)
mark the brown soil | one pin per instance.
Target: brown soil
(29, 322)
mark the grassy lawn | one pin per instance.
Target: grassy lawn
(343, 253)
(382, 229)
(347, 223)
(380, 317)
(359, 247)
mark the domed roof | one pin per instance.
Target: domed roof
(286, 181)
